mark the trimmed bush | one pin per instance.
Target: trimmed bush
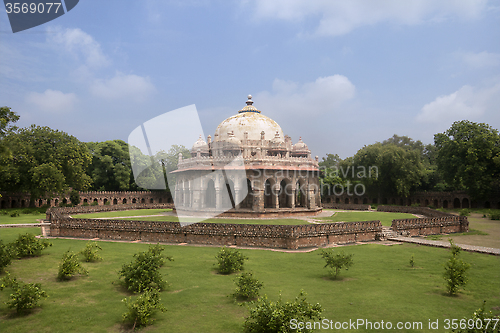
(90, 252)
(140, 311)
(144, 271)
(464, 212)
(247, 287)
(70, 266)
(24, 296)
(229, 260)
(14, 213)
(269, 317)
(481, 321)
(27, 245)
(495, 216)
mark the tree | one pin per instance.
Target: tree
(396, 168)
(280, 317)
(7, 118)
(110, 168)
(468, 157)
(45, 162)
(455, 273)
(336, 261)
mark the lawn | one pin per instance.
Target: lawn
(383, 217)
(379, 286)
(230, 221)
(22, 218)
(121, 213)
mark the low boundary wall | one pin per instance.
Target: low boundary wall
(434, 222)
(271, 236)
(346, 206)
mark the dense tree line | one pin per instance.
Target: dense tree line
(47, 162)
(466, 157)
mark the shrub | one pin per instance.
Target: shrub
(90, 252)
(464, 212)
(495, 216)
(143, 272)
(455, 273)
(70, 266)
(28, 245)
(412, 261)
(6, 254)
(14, 213)
(94, 203)
(140, 311)
(25, 296)
(336, 261)
(247, 287)
(107, 203)
(229, 260)
(481, 321)
(279, 316)
(85, 203)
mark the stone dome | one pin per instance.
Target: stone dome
(300, 146)
(251, 121)
(201, 145)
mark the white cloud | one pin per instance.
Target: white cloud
(339, 17)
(121, 86)
(481, 60)
(81, 45)
(466, 103)
(52, 100)
(324, 95)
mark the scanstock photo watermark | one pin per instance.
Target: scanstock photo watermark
(365, 324)
(28, 14)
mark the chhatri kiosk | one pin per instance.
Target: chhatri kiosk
(263, 173)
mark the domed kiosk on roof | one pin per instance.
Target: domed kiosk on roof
(276, 178)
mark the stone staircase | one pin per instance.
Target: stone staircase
(386, 233)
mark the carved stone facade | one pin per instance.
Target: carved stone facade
(249, 169)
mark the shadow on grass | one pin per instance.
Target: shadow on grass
(13, 314)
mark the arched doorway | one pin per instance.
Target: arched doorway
(247, 203)
(285, 194)
(355, 201)
(465, 203)
(300, 194)
(269, 195)
(210, 194)
(445, 203)
(346, 201)
(115, 201)
(124, 201)
(456, 203)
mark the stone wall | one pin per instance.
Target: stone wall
(219, 234)
(434, 222)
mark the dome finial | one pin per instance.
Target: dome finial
(249, 102)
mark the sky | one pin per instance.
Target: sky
(339, 74)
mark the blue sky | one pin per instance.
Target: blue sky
(340, 74)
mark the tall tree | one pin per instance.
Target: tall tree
(44, 162)
(468, 157)
(110, 168)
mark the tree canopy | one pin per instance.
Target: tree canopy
(468, 157)
(44, 161)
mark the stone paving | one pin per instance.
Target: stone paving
(435, 243)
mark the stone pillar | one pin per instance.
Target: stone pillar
(293, 196)
(275, 193)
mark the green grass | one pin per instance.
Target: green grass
(379, 286)
(120, 213)
(383, 217)
(22, 218)
(229, 221)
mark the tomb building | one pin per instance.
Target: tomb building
(249, 168)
